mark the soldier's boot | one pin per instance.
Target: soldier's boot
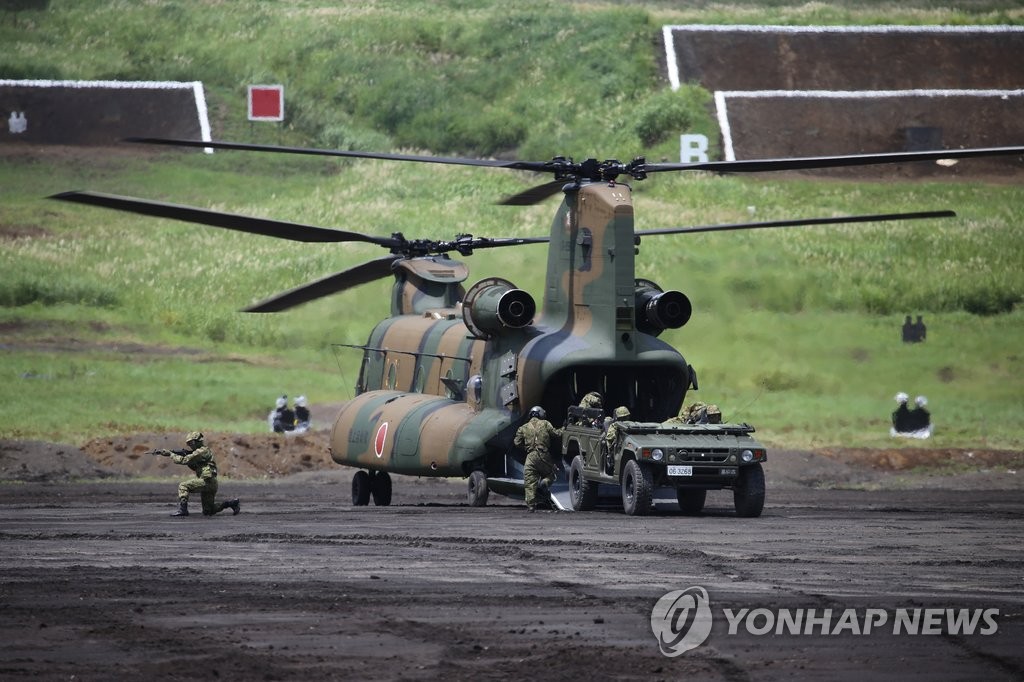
(234, 505)
(182, 508)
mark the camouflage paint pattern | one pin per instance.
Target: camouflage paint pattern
(435, 397)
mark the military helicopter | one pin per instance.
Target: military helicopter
(449, 376)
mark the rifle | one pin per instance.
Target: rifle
(168, 453)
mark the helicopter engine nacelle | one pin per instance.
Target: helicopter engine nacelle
(658, 310)
(494, 304)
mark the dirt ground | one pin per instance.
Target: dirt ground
(98, 582)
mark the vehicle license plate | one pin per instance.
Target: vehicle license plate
(680, 471)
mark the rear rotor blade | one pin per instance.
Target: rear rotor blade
(801, 222)
(232, 221)
(360, 274)
(812, 162)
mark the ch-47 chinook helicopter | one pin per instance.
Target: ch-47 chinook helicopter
(449, 376)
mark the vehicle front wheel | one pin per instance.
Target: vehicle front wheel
(748, 495)
(478, 490)
(691, 500)
(637, 488)
(582, 493)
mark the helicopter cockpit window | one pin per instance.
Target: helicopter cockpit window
(449, 393)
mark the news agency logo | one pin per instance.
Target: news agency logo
(681, 621)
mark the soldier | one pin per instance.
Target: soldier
(535, 437)
(698, 413)
(282, 419)
(901, 422)
(199, 458)
(592, 401)
(611, 436)
(301, 415)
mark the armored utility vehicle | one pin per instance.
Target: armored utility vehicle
(691, 458)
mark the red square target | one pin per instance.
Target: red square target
(266, 102)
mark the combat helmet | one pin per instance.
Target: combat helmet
(538, 412)
(194, 437)
(621, 412)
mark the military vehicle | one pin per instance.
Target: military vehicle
(691, 459)
(451, 373)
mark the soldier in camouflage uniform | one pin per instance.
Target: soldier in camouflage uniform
(199, 458)
(592, 401)
(611, 436)
(535, 437)
(698, 413)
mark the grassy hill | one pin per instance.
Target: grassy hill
(116, 323)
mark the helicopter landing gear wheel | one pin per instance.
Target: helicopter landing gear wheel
(361, 489)
(582, 493)
(380, 488)
(477, 488)
(637, 488)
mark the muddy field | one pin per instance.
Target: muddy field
(99, 582)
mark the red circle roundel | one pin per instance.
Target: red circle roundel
(378, 440)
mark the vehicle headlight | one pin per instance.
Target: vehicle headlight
(657, 454)
(747, 456)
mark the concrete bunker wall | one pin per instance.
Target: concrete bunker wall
(803, 91)
(101, 112)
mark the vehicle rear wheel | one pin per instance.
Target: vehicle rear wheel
(582, 493)
(478, 490)
(380, 488)
(361, 489)
(748, 495)
(691, 500)
(637, 488)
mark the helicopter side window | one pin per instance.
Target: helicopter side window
(476, 389)
(392, 374)
(419, 380)
(449, 393)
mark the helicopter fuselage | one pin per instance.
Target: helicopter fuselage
(441, 391)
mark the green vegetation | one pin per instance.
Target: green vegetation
(117, 323)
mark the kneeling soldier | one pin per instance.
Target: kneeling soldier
(199, 458)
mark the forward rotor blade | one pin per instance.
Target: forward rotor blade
(534, 195)
(811, 162)
(239, 146)
(360, 274)
(232, 221)
(801, 222)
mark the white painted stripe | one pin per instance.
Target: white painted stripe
(866, 94)
(723, 125)
(889, 28)
(670, 57)
(144, 85)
